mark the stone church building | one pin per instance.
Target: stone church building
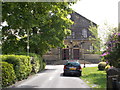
(78, 45)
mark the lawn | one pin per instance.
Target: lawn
(93, 77)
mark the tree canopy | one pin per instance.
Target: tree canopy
(41, 25)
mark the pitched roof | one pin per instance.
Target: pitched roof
(85, 18)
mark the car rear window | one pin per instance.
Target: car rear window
(72, 64)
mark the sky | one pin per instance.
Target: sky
(99, 11)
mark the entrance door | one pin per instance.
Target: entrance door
(65, 54)
(76, 54)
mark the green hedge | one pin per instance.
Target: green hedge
(8, 74)
(37, 62)
(21, 65)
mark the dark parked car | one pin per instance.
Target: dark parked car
(72, 68)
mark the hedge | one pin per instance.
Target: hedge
(8, 74)
(38, 64)
(21, 65)
(35, 61)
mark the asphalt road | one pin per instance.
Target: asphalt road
(53, 77)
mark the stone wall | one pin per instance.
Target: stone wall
(93, 58)
(51, 57)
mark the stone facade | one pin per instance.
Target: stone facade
(78, 45)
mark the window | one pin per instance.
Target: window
(84, 33)
(92, 49)
(73, 34)
(69, 36)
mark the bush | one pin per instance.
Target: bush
(44, 64)
(102, 65)
(35, 61)
(38, 64)
(8, 74)
(107, 67)
(21, 65)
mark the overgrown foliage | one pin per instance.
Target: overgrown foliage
(8, 74)
(39, 25)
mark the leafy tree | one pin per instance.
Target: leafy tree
(41, 25)
(113, 49)
(95, 39)
(111, 53)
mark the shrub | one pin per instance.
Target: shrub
(44, 64)
(107, 67)
(102, 65)
(8, 74)
(37, 62)
(21, 65)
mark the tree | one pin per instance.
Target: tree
(113, 49)
(111, 53)
(95, 39)
(41, 25)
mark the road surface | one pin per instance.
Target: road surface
(53, 77)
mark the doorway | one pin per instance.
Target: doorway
(65, 54)
(75, 54)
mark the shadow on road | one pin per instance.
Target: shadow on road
(47, 70)
(61, 75)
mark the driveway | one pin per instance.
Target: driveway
(52, 77)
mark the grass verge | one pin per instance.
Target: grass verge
(93, 77)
